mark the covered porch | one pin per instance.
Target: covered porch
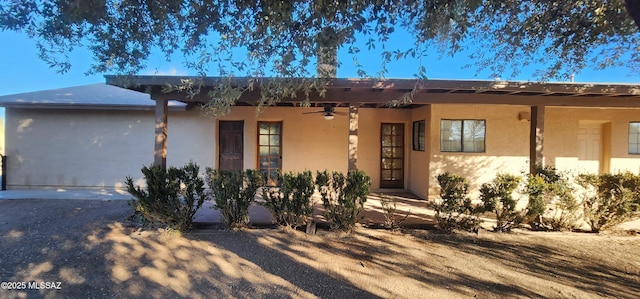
(370, 130)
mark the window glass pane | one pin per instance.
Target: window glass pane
(386, 130)
(386, 175)
(274, 163)
(474, 131)
(274, 151)
(396, 152)
(386, 152)
(418, 137)
(264, 140)
(264, 151)
(275, 129)
(264, 162)
(274, 139)
(386, 141)
(450, 135)
(386, 163)
(634, 138)
(397, 141)
(264, 128)
(397, 174)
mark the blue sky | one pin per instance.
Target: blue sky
(23, 71)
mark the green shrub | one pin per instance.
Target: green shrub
(454, 210)
(290, 201)
(233, 192)
(552, 204)
(389, 212)
(497, 197)
(609, 199)
(343, 197)
(172, 197)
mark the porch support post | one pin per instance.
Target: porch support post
(353, 137)
(536, 138)
(160, 148)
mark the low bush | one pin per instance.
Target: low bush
(389, 211)
(343, 197)
(233, 192)
(497, 197)
(552, 204)
(454, 210)
(609, 199)
(290, 201)
(172, 197)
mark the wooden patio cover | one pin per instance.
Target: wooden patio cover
(356, 93)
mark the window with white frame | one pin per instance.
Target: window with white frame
(462, 135)
(634, 138)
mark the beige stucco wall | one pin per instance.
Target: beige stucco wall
(419, 163)
(308, 141)
(507, 141)
(561, 136)
(88, 148)
(506, 145)
(313, 143)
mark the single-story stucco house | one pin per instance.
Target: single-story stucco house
(94, 136)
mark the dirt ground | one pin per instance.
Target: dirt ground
(85, 248)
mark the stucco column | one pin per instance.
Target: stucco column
(160, 148)
(353, 137)
(536, 138)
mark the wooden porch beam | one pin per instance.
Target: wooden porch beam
(353, 137)
(160, 148)
(536, 138)
(142, 82)
(382, 97)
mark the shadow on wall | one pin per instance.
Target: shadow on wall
(476, 169)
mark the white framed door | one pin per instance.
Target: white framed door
(593, 146)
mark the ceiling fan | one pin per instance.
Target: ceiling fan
(328, 111)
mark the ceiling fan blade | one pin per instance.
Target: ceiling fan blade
(341, 113)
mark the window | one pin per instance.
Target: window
(270, 149)
(418, 135)
(634, 138)
(457, 135)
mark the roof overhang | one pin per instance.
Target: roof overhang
(85, 97)
(88, 107)
(380, 92)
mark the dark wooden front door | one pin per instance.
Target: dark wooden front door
(392, 156)
(231, 145)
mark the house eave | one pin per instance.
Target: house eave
(57, 106)
(378, 92)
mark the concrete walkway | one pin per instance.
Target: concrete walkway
(93, 194)
(415, 210)
(206, 214)
(406, 205)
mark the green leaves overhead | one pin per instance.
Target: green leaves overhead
(281, 38)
